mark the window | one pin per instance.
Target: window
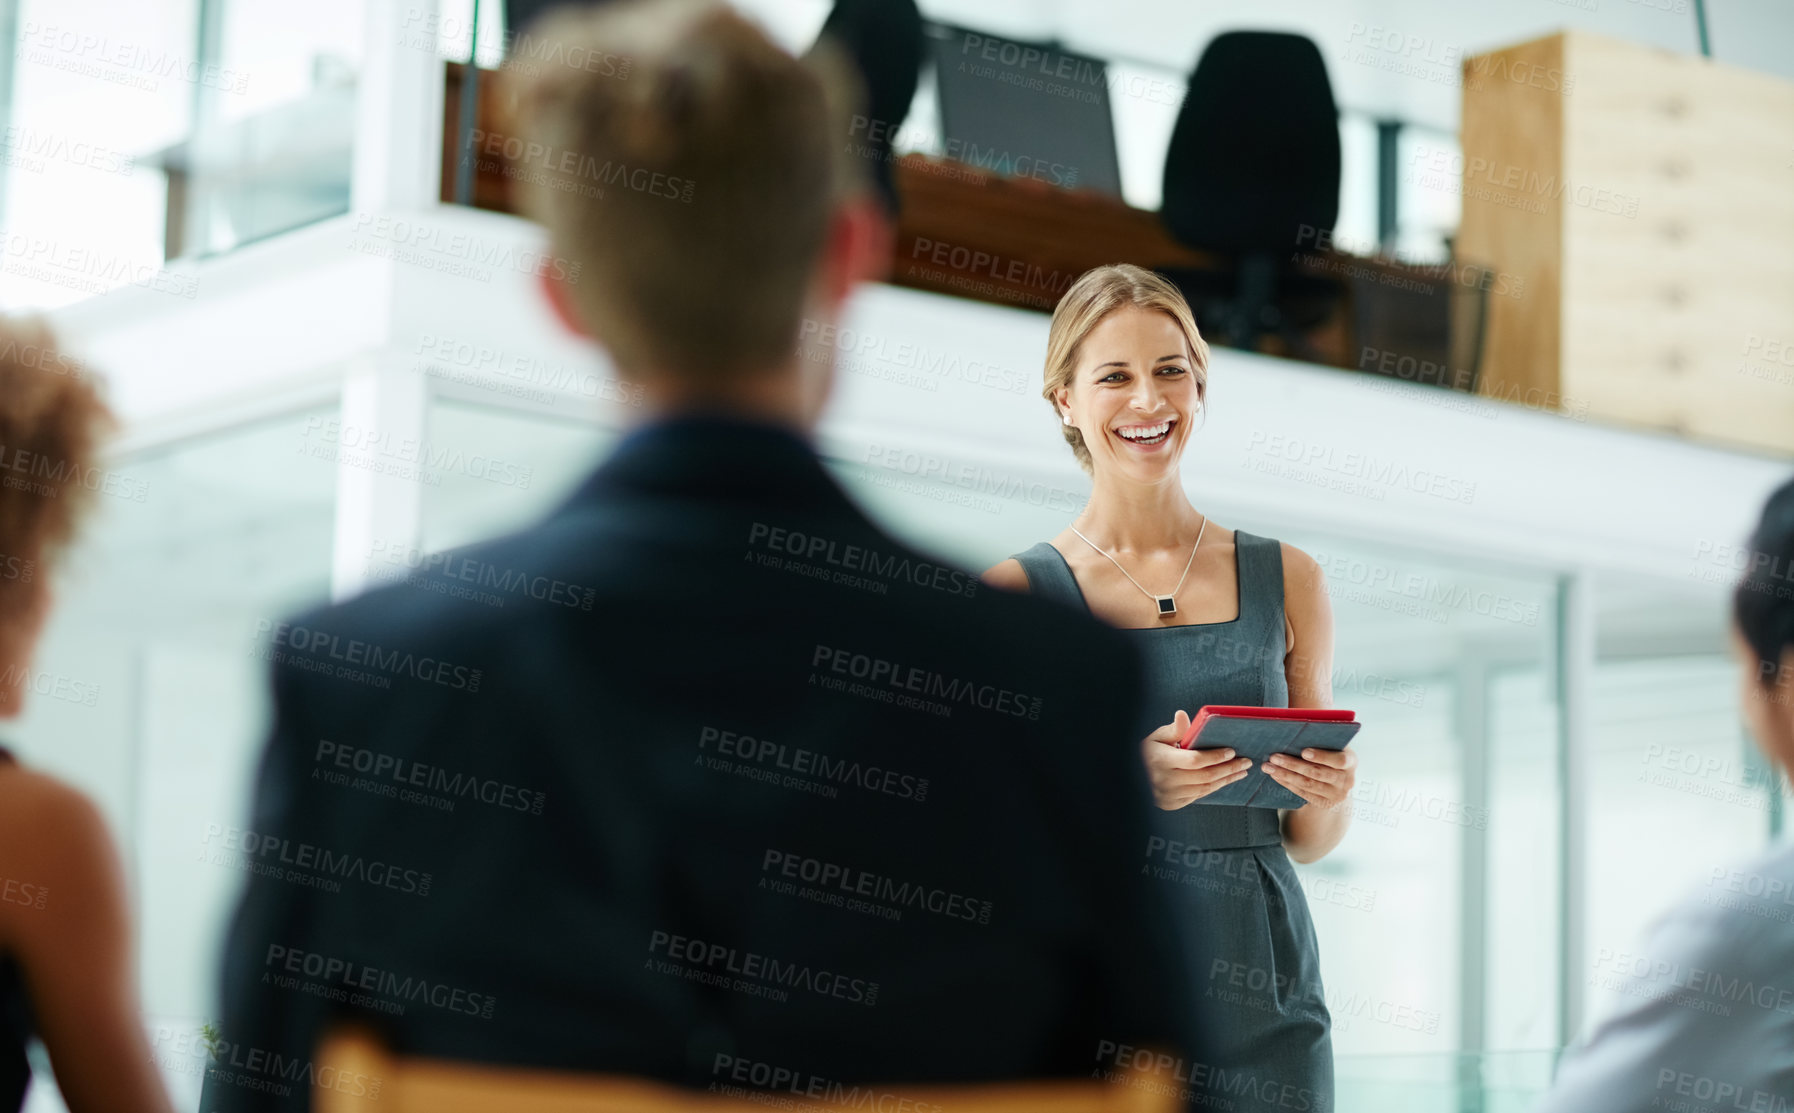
(96, 88)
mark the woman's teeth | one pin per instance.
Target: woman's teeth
(1146, 434)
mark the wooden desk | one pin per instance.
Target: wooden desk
(1016, 242)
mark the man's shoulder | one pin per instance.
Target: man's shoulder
(1054, 627)
(846, 554)
(1705, 992)
(475, 607)
(1020, 624)
(468, 589)
(427, 623)
(1740, 913)
(1735, 926)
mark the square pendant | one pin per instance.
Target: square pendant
(1167, 605)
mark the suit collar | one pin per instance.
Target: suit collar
(716, 455)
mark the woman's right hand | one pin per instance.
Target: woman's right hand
(1180, 776)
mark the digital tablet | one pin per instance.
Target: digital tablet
(1259, 732)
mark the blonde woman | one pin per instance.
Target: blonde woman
(1220, 616)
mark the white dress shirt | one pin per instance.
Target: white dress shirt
(1709, 1023)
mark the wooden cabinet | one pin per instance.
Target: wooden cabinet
(1646, 199)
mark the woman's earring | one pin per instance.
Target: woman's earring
(1066, 417)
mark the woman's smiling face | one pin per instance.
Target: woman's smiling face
(1133, 393)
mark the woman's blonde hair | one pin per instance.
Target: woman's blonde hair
(1096, 294)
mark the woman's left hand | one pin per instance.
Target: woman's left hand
(1323, 777)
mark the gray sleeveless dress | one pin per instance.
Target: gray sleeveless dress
(1254, 957)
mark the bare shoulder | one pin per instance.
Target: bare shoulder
(1006, 576)
(47, 828)
(1301, 572)
(1305, 598)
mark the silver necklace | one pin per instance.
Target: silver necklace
(1167, 603)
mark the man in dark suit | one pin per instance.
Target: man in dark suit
(730, 788)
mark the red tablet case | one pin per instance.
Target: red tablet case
(1259, 732)
(1298, 714)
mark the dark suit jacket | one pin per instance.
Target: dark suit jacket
(708, 779)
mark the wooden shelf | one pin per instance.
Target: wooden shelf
(1648, 210)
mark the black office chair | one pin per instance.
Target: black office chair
(884, 39)
(1252, 173)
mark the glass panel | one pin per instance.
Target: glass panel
(144, 131)
(97, 87)
(1424, 652)
(921, 130)
(153, 696)
(1145, 101)
(1497, 1082)
(1524, 847)
(1385, 903)
(1443, 662)
(286, 53)
(1429, 194)
(454, 32)
(272, 147)
(1355, 229)
(1679, 793)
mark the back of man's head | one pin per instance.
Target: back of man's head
(688, 168)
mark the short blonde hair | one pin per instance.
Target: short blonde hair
(687, 170)
(1096, 294)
